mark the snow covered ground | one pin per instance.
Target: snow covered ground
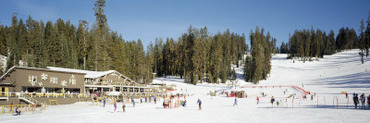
(327, 78)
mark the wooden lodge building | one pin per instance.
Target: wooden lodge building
(65, 81)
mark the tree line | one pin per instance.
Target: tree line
(63, 44)
(307, 44)
(258, 63)
(198, 56)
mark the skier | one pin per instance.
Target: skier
(200, 104)
(355, 100)
(104, 102)
(272, 101)
(235, 102)
(115, 104)
(133, 103)
(311, 97)
(362, 99)
(184, 103)
(123, 107)
(258, 100)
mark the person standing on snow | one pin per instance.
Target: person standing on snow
(123, 107)
(11, 106)
(104, 100)
(258, 100)
(155, 100)
(272, 100)
(133, 103)
(235, 102)
(115, 104)
(362, 99)
(200, 104)
(355, 100)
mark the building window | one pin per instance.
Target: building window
(53, 80)
(32, 79)
(72, 80)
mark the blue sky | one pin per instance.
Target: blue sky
(150, 19)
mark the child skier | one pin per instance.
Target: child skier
(258, 100)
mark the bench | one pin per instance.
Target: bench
(53, 102)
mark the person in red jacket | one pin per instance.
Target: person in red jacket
(258, 100)
(11, 106)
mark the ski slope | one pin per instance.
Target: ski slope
(327, 78)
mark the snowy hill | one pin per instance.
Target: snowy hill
(342, 71)
(327, 78)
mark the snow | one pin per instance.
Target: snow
(326, 77)
(89, 74)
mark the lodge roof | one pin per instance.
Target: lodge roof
(91, 74)
(87, 73)
(34, 68)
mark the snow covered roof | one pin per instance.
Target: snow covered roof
(90, 74)
(34, 68)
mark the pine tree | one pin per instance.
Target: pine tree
(100, 47)
(12, 43)
(2, 41)
(362, 43)
(367, 36)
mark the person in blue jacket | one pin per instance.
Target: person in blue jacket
(235, 102)
(200, 104)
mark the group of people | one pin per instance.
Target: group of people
(362, 99)
(17, 109)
